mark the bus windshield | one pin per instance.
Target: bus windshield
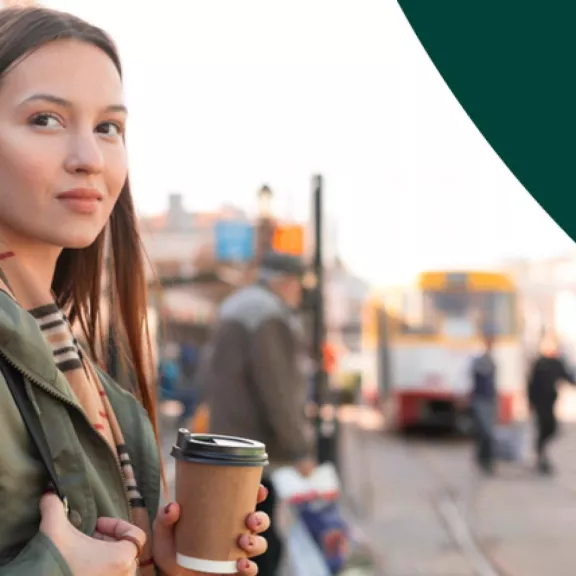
(469, 314)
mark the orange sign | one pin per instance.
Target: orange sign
(288, 239)
(330, 358)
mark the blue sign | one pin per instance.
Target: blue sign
(234, 241)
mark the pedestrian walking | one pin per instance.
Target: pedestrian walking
(484, 404)
(547, 371)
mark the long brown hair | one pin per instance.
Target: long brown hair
(78, 277)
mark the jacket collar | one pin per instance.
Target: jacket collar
(23, 344)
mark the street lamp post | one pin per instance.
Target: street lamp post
(265, 222)
(324, 414)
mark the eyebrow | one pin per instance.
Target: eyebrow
(67, 104)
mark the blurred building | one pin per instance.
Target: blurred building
(345, 297)
(180, 248)
(547, 289)
(180, 245)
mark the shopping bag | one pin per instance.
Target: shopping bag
(315, 515)
(302, 555)
(511, 442)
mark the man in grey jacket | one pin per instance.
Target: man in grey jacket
(254, 379)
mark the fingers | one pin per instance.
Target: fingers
(125, 558)
(120, 530)
(53, 514)
(163, 542)
(247, 568)
(253, 545)
(169, 515)
(258, 522)
(262, 494)
(100, 536)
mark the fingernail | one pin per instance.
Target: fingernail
(258, 520)
(250, 541)
(265, 491)
(244, 564)
(168, 507)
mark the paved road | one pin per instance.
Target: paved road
(428, 512)
(398, 501)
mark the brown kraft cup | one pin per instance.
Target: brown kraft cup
(217, 481)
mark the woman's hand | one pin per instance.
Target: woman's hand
(164, 549)
(113, 551)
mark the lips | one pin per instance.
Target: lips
(88, 194)
(81, 201)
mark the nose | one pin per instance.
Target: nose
(85, 154)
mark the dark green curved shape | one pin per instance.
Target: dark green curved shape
(512, 66)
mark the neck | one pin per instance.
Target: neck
(38, 259)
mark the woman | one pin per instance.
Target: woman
(64, 192)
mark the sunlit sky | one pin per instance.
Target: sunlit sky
(225, 95)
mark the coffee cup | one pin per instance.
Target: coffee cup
(217, 482)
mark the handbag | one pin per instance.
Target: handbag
(15, 381)
(315, 510)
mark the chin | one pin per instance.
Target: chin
(78, 244)
(75, 240)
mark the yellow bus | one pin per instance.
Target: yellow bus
(419, 342)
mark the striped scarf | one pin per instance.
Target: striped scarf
(80, 373)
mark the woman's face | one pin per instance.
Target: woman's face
(62, 156)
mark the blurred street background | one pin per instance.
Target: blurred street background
(413, 492)
(320, 129)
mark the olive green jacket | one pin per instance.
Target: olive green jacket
(87, 468)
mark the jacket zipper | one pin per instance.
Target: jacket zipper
(63, 398)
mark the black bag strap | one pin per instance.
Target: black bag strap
(15, 382)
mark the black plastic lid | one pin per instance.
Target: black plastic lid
(217, 449)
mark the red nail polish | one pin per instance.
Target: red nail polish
(49, 490)
(168, 507)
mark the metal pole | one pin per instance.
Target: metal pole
(318, 311)
(325, 417)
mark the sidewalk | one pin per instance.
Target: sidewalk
(394, 503)
(524, 524)
(528, 523)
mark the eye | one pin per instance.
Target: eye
(110, 129)
(46, 120)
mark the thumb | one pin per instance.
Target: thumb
(53, 514)
(167, 518)
(163, 540)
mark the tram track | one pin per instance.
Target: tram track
(428, 510)
(454, 505)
